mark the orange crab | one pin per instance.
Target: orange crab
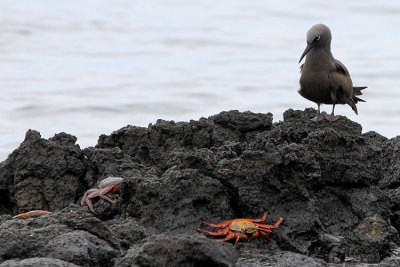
(246, 229)
(28, 214)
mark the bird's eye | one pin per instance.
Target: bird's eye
(318, 37)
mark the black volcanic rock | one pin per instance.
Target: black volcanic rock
(37, 261)
(72, 235)
(337, 189)
(179, 250)
(42, 174)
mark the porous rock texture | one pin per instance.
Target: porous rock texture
(337, 189)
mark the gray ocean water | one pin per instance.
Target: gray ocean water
(91, 67)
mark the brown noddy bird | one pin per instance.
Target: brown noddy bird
(324, 79)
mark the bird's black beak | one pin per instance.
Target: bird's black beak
(308, 48)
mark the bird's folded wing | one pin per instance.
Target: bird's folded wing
(340, 67)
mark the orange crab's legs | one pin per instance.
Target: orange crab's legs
(263, 218)
(229, 236)
(265, 227)
(220, 225)
(237, 235)
(223, 231)
(257, 234)
(278, 222)
(266, 236)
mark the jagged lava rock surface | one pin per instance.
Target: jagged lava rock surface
(336, 188)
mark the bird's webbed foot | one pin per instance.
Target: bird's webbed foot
(317, 118)
(332, 118)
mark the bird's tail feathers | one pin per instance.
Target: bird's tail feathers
(357, 90)
(352, 104)
(357, 99)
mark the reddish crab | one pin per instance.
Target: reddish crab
(110, 184)
(242, 228)
(28, 214)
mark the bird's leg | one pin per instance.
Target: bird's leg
(319, 116)
(332, 117)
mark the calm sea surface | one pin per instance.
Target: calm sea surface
(91, 67)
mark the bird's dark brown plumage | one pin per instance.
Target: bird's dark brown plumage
(324, 79)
